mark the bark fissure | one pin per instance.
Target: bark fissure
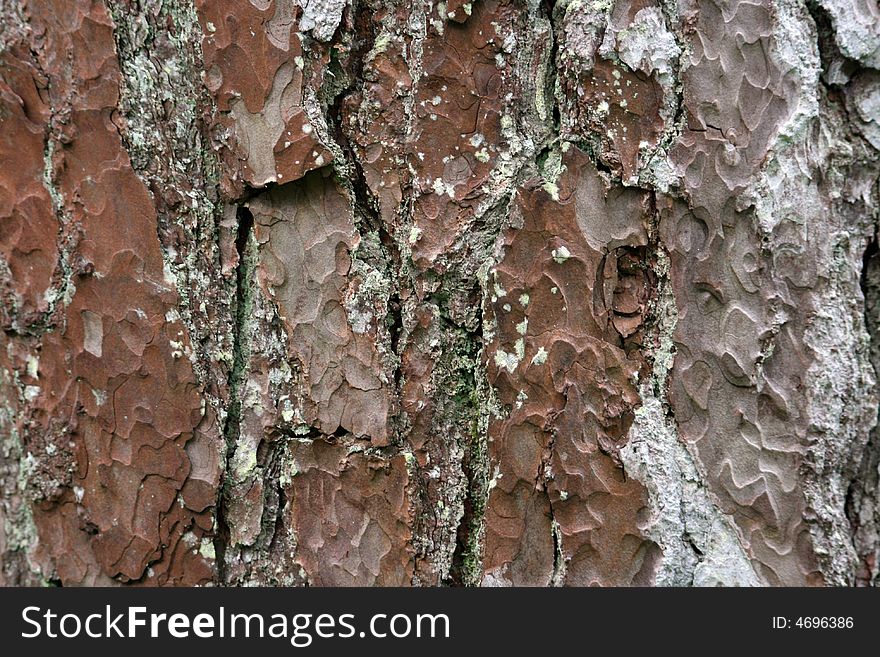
(862, 504)
(465, 560)
(245, 248)
(387, 293)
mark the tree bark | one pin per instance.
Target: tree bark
(506, 292)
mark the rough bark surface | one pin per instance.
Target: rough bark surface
(505, 292)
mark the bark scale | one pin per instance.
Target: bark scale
(506, 292)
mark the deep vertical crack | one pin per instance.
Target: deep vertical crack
(243, 304)
(367, 215)
(466, 566)
(464, 569)
(861, 505)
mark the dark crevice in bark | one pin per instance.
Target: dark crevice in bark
(828, 51)
(245, 226)
(394, 324)
(241, 347)
(691, 543)
(862, 495)
(558, 577)
(466, 556)
(364, 36)
(541, 480)
(366, 205)
(366, 208)
(543, 156)
(466, 565)
(590, 148)
(829, 56)
(861, 501)
(837, 70)
(550, 82)
(672, 132)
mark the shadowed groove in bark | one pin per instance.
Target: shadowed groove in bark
(366, 213)
(861, 505)
(246, 248)
(464, 568)
(863, 496)
(485, 104)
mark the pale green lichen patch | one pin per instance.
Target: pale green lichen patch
(540, 356)
(244, 460)
(561, 254)
(288, 413)
(552, 169)
(380, 45)
(506, 361)
(552, 189)
(33, 366)
(440, 188)
(206, 549)
(498, 291)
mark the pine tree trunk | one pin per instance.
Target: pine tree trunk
(387, 292)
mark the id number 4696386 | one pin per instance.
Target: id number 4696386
(814, 623)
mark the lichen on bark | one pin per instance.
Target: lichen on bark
(506, 292)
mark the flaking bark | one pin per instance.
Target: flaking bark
(504, 292)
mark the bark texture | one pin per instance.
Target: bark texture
(505, 292)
